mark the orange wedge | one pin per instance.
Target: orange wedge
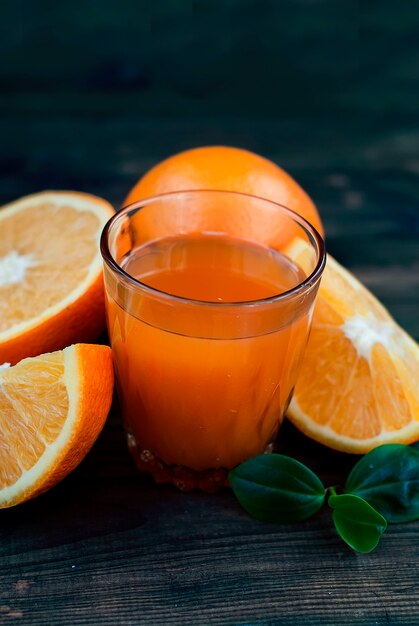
(359, 382)
(51, 284)
(52, 409)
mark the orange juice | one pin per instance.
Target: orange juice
(208, 320)
(193, 397)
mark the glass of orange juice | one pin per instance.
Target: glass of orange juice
(208, 318)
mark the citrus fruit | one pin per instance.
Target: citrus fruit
(359, 382)
(51, 283)
(52, 408)
(226, 169)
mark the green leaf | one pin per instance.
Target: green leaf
(388, 478)
(357, 522)
(277, 488)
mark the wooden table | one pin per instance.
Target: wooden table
(93, 95)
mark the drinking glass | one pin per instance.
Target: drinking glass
(209, 298)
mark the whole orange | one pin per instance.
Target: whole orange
(226, 169)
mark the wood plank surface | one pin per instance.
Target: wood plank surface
(94, 93)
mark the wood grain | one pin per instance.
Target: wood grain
(106, 546)
(91, 96)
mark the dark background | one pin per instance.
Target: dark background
(95, 92)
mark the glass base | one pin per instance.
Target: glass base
(184, 478)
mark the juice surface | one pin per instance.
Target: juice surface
(212, 268)
(205, 402)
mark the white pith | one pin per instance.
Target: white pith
(364, 331)
(13, 268)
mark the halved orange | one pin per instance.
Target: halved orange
(51, 283)
(52, 409)
(359, 382)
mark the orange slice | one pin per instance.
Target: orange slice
(52, 408)
(51, 284)
(359, 382)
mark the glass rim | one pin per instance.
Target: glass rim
(302, 286)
